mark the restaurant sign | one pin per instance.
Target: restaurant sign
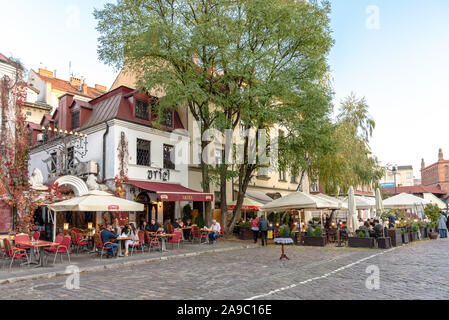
(113, 207)
(159, 174)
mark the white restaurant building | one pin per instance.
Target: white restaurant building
(116, 132)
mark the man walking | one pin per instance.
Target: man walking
(263, 228)
(442, 226)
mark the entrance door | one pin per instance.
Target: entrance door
(143, 215)
(169, 211)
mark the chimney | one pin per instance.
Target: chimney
(440, 155)
(75, 82)
(54, 73)
(84, 87)
(422, 164)
(101, 88)
(45, 73)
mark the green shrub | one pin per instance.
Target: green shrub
(432, 212)
(309, 232)
(292, 234)
(415, 227)
(199, 220)
(403, 231)
(318, 232)
(187, 212)
(281, 230)
(245, 224)
(285, 232)
(361, 234)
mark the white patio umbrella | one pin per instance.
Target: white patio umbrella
(298, 200)
(338, 203)
(97, 201)
(404, 201)
(379, 203)
(352, 208)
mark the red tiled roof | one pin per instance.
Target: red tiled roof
(4, 58)
(65, 86)
(415, 189)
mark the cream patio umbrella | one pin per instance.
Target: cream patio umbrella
(299, 200)
(352, 208)
(96, 201)
(379, 203)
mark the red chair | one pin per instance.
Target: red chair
(36, 235)
(100, 246)
(154, 240)
(176, 238)
(22, 237)
(197, 234)
(139, 244)
(14, 253)
(63, 247)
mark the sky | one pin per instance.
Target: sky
(392, 52)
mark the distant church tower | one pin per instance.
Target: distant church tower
(440, 155)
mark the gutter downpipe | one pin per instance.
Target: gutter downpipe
(104, 152)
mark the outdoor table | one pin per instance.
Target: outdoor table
(37, 244)
(283, 241)
(119, 240)
(162, 236)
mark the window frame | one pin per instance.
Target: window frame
(137, 114)
(167, 163)
(137, 152)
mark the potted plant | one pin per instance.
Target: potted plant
(433, 235)
(396, 236)
(414, 232)
(315, 238)
(245, 232)
(294, 236)
(362, 241)
(404, 234)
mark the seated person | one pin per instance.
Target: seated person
(378, 229)
(175, 224)
(144, 226)
(216, 231)
(181, 224)
(154, 226)
(106, 236)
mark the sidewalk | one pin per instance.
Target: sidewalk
(91, 262)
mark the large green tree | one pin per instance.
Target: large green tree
(248, 63)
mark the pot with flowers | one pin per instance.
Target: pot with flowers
(432, 212)
(414, 232)
(396, 236)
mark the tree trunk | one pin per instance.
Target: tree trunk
(205, 182)
(223, 192)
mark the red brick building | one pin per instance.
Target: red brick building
(436, 174)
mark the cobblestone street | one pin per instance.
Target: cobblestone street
(415, 271)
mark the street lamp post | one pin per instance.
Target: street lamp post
(395, 170)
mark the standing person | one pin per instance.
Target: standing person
(442, 226)
(263, 228)
(106, 236)
(255, 227)
(216, 231)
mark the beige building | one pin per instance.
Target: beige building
(404, 177)
(266, 182)
(33, 109)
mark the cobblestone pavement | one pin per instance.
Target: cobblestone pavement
(416, 271)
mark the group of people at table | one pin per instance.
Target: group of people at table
(114, 231)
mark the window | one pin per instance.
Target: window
(70, 157)
(143, 153)
(282, 175)
(168, 157)
(53, 164)
(218, 156)
(28, 113)
(314, 187)
(293, 178)
(75, 123)
(142, 111)
(167, 118)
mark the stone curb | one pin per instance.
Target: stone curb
(117, 265)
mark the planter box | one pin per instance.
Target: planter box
(405, 238)
(423, 232)
(315, 241)
(246, 234)
(361, 242)
(413, 236)
(384, 243)
(433, 235)
(396, 237)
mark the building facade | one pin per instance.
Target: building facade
(117, 135)
(50, 88)
(436, 174)
(404, 177)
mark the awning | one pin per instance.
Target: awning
(247, 205)
(172, 192)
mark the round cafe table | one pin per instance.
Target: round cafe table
(283, 241)
(120, 241)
